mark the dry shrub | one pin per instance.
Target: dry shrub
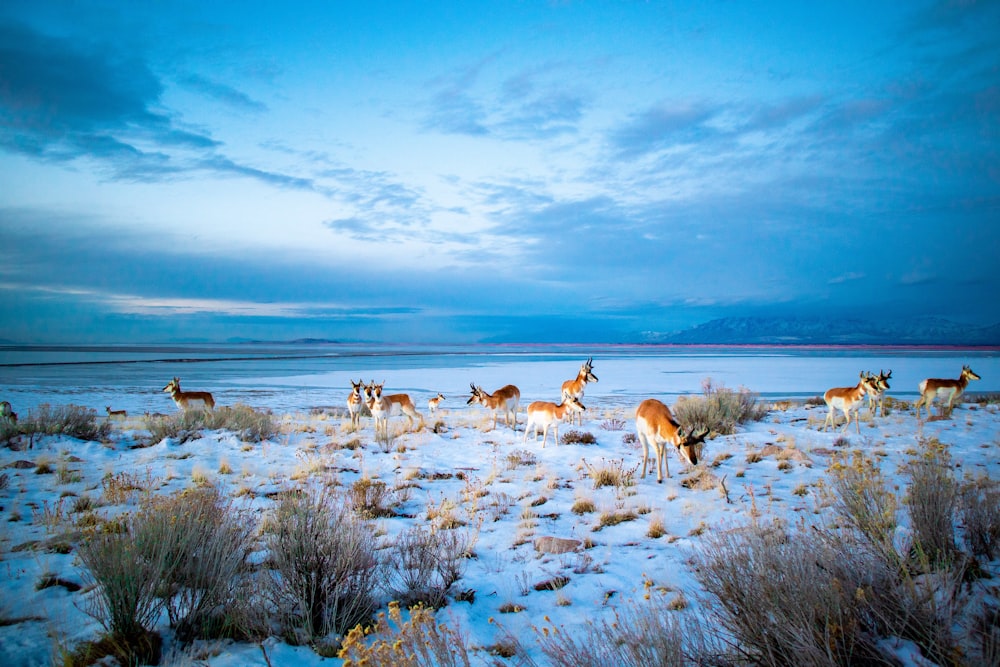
(865, 502)
(118, 488)
(642, 633)
(575, 437)
(613, 424)
(325, 570)
(821, 595)
(71, 420)
(247, 424)
(932, 501)
(611, 473)
(207, 541)
(420, 641)
(519, 458)
(719, 409)
(701, 479)
(427, 562)
(371, 498)
(979, 501)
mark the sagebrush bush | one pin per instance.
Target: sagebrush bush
(932, 501)
(576, 437)
(979, 501)
(864, 501)
(325, 570)
(247, 424)
(371, 498)
(427, 562)
(808, 598)
(72, 420)
(419, 641)
(719, 409)
(207, 541)
(642, 633)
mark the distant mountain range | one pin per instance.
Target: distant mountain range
(817, 331)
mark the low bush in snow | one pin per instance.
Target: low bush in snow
(719, 409)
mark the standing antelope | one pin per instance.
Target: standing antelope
(505, 398)
(355, 402)
(383, 406)
(847, 399)
(655, 425)
(575, 387)
(544, 414)
(189, 400)
(931, 388)
(115, 414)
(878, 385)
(7, 412)
(432, 404)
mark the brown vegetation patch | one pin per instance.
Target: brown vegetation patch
(701, 479)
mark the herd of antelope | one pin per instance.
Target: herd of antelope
(655, 425)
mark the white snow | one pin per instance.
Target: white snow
(506, 566)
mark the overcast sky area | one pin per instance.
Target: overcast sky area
(492, 171)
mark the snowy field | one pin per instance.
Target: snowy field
(522, 491)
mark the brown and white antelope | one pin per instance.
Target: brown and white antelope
(505, 398)
(931, 388)
(847, 400)
(383, 406)
(544, 414)
(189, 400)
(432, 404)
(115, 414)
(655, 425)
(878, 385)
(355, 403)
(7, 412)
(575, 387)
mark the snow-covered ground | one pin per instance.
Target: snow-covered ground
(536, 486)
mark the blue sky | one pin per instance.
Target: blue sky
(514, 171)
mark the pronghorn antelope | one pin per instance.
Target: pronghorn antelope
(931, 388)
(655, 425)
(878, 385)
(505, 398)
(189, 400)
(847, 399)
(544, 414)
(115, 414)
(355, 401)
(575, 387)
(383, 406)
(7, 412)
(432, 404)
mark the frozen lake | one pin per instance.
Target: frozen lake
(289, 378)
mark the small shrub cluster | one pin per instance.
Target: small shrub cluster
(613, 424)
(611, 473)
(842, 589)
(246, 423)
(719, 409)
(324, 566)
(371, 498)
(419, 641)
(575, 437)
(426, 564)
(183, 553)
(70, 420)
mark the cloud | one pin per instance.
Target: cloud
(222, 92)
(662, 126)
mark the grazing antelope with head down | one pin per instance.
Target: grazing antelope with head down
(383, 406)
(655, 425)
(7, 412)
(575, 387)
(355, 401)
(189, 400)
(877, 386)
(544, 414)
(931, 388)
(847, 399)
(432, 404)
(115, 414)
(505, 398)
